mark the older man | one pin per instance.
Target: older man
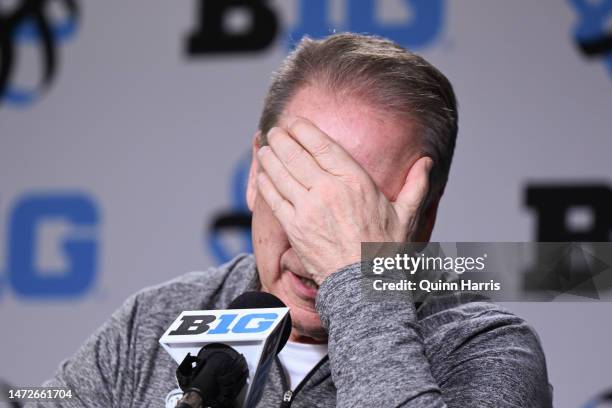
(354, 144)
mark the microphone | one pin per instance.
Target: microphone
(224, 355)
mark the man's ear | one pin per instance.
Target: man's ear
(251, 192)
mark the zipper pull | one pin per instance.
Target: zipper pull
(287, 396)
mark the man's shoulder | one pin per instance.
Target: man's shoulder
(212, 288)
(203, 289)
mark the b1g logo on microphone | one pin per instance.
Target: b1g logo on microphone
(64, 269)
(251, 323)
(237, 327)
(39, 24)
(236, 26)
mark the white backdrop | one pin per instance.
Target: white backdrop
(152, 137)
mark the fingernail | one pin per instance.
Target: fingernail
(295, 122)
(262, 150)
(299, 119)
(271, 134)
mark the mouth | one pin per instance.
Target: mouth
(309, 282)
(306, 288)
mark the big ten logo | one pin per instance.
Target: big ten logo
(52, 247)
(236, 26)
(38, 24)
(592, 31)
(224, 324)
(228, 233)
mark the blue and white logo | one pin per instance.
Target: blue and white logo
(77, 246)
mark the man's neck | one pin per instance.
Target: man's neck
(300, 338)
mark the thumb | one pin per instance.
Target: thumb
(415, 189)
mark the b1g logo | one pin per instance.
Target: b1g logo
(224, 324)
(78, 217)
(258, 23)
(32, 23)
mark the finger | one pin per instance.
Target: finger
(282, 209)
(330, 156)
(415, 189)
(284, 182)
(295, 158)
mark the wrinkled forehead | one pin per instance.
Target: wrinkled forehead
(381, 143)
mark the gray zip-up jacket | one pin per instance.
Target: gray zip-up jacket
(453, 351)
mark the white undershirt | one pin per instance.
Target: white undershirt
(299, 358)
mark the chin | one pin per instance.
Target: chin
(305, 321)
(306, 326)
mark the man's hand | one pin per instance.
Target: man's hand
(327, 203)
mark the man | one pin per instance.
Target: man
(354, 144)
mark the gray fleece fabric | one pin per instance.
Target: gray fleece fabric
(453, 351)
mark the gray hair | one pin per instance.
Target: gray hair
(383, 73)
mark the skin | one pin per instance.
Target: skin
(337, 172)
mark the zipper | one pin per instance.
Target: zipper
(289, 395)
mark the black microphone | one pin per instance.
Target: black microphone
(218, 374)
